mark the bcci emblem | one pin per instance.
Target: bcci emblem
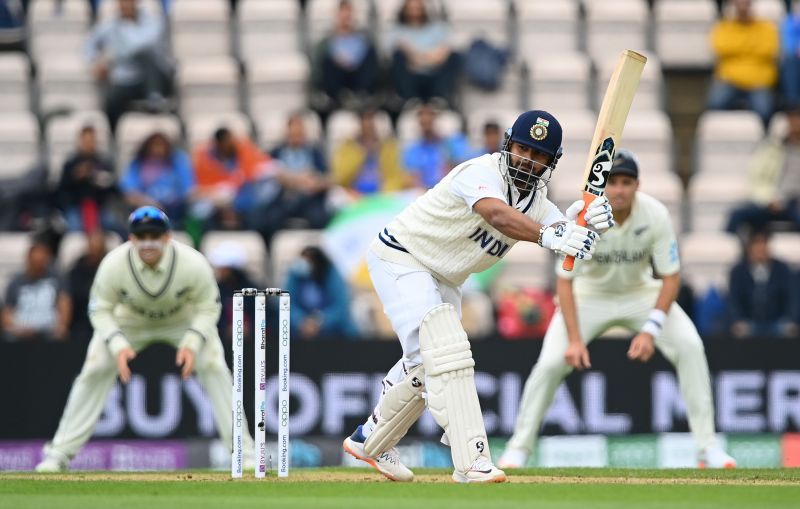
(539, 129)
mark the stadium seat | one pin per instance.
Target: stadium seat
(19, 143)
(448, 123)
(66, 84)
(785, 246)
(546, 27)
(251, 243)
(504, 117)
(778, 125)
(559, 81)
(487, 19)
(200, 29)
(286, 246)
(200, 127)
(650, 93)
(706, 259)
(344, 124)
(208, 85)
(13, 252)
(681, 31)
(667, 188)
(134, 127)
(649, 136)
(713, 196)
(615, 25)
(277, 85)
(182, 237)
(726, 141)
(272, 128)
(14, 85)
(578, 127)
(73, 246)
(773, 10)
(526, 265)
(508, 95)
(268, 28)
(61, 135)
(58, 27)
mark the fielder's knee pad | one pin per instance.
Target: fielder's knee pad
(451, 393)
(400, 408)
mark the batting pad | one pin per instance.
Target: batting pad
(449, 376)
(400, 408)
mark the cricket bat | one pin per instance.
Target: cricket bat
(608, 131)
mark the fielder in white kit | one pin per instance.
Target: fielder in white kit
(149, 289)
(464, 224)
(632, 281)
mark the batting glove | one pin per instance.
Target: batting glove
(568, 238)
(599, 215)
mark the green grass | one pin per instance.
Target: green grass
(572, 488)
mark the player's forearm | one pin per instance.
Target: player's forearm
(669, 292)
(509, 221)
(566, 301)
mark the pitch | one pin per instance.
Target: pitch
(361, 488)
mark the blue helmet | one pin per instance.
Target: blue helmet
(540, 131)
(148, 219)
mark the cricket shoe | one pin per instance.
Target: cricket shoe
(513, 458)
(714, 457)
(53, 462)
(481, 471)
(388, 463)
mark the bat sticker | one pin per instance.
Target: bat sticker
(601, 165)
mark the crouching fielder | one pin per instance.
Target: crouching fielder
(465, 224)
(617, 287)
(149, 289)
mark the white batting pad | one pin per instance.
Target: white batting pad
(449, 376)
(400, 408)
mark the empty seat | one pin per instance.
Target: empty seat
(508, 95)
(681, 29)
(773, 10)
(668, 189)
(649, 136)
(268, 28)
(13, 252)
(66, 84)
(785, 246)
(578, 128)
(249, 242)
(615, 25)
(277, 84)
(208, 85)
(546, 27)
(711, 199)
(778, 125)
(19, 143)
(706, 259)
(14, 87)
(650, 92)
(487, 19)
(200, 127)
(133, 128)
(726, 140)
(559, 81)
(61, 135)
(286, 246)
(73, 246)
(58, 27)
(272, 129)
(200, 29)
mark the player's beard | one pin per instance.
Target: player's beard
(524, 175)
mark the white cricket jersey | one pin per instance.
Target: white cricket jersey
(180, 289)
(441, 233)
(627, 255)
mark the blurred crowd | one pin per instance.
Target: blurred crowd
(227, 181)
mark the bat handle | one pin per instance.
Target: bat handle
(588, 198)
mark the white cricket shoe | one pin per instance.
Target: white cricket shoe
(513, 458)
(52, 463)
(714, 457)
(482, 471)
(387, 463)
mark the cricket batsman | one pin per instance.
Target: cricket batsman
(464, 224)
(632, 281)
(149, 289)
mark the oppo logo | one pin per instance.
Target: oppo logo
(238, 414)
(284, 412)
(239, 332)
(285, 332)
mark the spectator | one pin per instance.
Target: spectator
(222, 166)
(432, 156)
(790, 49)
(492, 139)
(159, 175)
(129, 54)
(746, 50)
(775, 183)
(297, 186)
(367, 163)
(762, 297)
(79, 281)
(345, 62)
(228, 262)
(88, 187)
(320, 298)
(37, 306)
(12, 25)
(423, 62)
